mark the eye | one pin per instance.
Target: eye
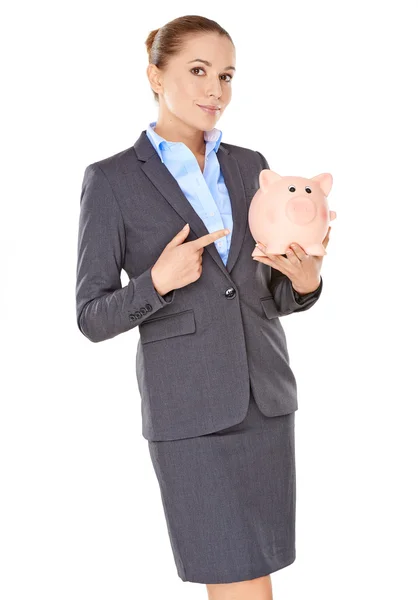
(308, 190)
(292, 188)
(196, 69)
(201, 69)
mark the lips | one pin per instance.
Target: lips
(209, 109)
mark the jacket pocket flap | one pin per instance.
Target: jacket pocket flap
(167, 326)
(269, 307)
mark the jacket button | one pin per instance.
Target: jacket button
(230, 293)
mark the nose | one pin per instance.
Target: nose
(214, 88)
(300, 210)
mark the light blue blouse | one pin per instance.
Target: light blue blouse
(206, 192)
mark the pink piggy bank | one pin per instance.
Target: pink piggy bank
(290, 209)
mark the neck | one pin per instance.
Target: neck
(177, 131)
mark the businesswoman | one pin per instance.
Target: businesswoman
(218, 396)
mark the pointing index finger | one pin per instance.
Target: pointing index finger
(209, 238)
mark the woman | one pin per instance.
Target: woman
(218, 397)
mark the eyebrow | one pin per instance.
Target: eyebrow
(206, 62)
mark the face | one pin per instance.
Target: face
(187, 83)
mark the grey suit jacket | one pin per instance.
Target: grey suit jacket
(200, 346)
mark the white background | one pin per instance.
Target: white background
(320, 87)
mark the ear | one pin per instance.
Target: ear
(154, 78)
(325, 182)
(267, 177)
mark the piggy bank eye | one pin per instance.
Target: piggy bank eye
(292, 188)
(308, 190)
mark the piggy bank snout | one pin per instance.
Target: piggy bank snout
(300, 210)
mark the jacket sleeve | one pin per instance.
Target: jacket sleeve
(286, 298)
(104, 308)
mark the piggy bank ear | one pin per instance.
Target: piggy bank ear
(325, 182)
(267, 177)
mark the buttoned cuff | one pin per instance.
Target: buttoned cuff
(302, 298)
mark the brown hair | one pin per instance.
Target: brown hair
(168, 40)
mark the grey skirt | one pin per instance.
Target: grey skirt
(229, 498)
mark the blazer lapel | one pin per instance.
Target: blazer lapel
(167, 185)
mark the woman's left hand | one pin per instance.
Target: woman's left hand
(302, 269)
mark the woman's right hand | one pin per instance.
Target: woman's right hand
(181, 263)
